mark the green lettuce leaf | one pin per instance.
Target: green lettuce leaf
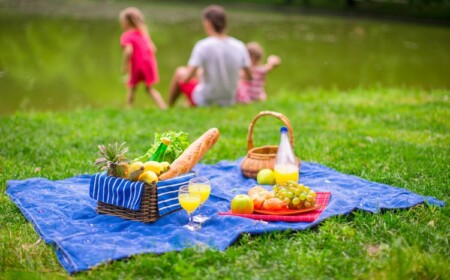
(178, 143)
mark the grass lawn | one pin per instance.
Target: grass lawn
(393, 136)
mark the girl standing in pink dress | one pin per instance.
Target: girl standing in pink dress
(139, 55)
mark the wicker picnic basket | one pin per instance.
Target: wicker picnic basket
(150, 208)
(147, 213)
(258, 158)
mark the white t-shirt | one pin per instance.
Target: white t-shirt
(220, 59)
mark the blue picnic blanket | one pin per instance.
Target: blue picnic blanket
(64, 215)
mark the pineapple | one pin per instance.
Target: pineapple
(112, 159)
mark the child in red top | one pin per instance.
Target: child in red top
(139, 55)
(253, 90)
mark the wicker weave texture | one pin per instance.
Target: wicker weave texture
(148, 211)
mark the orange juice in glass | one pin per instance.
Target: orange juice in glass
(285, 172)
(189, 202)
(202, 187)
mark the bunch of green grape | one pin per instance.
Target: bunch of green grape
(296, 196)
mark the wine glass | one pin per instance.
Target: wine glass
(189, 202)
(201, 186)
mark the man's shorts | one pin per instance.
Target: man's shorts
(188, 89)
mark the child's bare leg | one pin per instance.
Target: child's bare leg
(157, 97)
(174, 88)
(130, 96)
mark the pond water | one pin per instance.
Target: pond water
(64, 62)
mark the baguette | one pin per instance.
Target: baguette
(192, 155)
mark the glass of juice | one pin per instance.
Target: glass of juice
(202, 187)
(189, 202)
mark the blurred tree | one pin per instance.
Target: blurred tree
(425, 8)
(352, 3)
(427, 2)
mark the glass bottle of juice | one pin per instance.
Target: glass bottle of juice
(159, 154)
(286, 168)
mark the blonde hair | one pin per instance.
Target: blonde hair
(256, 51)
(134, 17)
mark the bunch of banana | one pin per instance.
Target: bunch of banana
(147, 172)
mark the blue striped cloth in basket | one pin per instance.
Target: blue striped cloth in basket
(127, 194)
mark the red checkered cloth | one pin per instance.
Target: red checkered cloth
(322, 199)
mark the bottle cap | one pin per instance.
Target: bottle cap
(283, 129)
(165, 140)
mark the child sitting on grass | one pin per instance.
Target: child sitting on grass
(253, 90)
(139, 55)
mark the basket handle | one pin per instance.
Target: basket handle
(280, 116)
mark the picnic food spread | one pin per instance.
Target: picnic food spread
(171, 156)
(291, 196)
(113, 160)
(147, 188)
(287, 193)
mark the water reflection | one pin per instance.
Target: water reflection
(54, 63)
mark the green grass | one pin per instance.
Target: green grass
(394, 136)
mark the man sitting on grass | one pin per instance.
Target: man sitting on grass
(216, 61)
